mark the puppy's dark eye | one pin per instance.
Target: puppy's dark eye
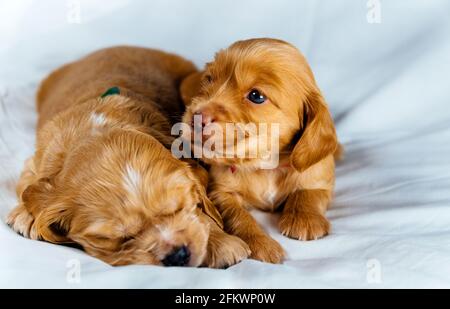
(256, 97)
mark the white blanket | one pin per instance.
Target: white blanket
(388, 88)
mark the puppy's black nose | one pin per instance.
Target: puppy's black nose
(178, 257)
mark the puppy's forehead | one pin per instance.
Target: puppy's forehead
(259, 51)
(139, 200)
(265, 62)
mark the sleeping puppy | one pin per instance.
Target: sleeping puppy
(102, 176)
(267, 81)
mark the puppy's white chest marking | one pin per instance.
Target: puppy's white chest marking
(271, 193)
(266, 191)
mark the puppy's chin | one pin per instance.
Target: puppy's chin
(129, 257)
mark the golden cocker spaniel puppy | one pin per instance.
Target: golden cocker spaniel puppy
(102, 175)
(266, 81)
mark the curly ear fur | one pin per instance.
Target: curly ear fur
(319, 135)
(200, 178)
(190, 86)
(211, 210)
(52, 218)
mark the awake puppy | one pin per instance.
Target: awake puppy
(267, 81)
(102, 176)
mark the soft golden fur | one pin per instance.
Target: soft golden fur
(303, 183)
(102, 176)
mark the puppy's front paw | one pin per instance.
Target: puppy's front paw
(225, 250)
(265, 248)
(304, 225)
(22, 222)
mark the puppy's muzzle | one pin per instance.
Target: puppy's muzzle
(178, 257)
(205, 118)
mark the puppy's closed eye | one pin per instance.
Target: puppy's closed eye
(105, 242)
(208, 78)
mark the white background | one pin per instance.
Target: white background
(388, 88)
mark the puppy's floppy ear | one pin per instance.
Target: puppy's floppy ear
(200, 177)
(318, 139)
(209, 209)
(190, 87)
(52, 217)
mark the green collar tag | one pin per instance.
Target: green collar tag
(111, 91)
